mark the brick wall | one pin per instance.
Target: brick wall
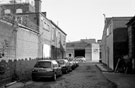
(16, 70)
(7, 41)
(26, 8)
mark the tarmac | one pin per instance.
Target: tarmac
(17, 84)
(122, 80)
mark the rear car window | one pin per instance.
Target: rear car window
(61, 62)
(55, 65)
(43, 64)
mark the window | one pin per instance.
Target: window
(108, 31)
(52, 35)
(19, 11)
(46, 51)
(43, 64)
(7, 11)
(55, 65)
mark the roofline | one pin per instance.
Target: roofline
(14, 3)
(57, 26)
(45, 17)
(130, 21)
(121, 19)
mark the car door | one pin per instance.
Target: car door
(59, 69)
(56, 69)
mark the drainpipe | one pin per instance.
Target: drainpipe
(38, 11)
(15, 26)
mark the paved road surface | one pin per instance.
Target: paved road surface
(87, 75)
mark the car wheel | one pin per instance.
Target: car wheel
(60, 73)
(54, 77)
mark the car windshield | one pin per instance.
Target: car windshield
(61, 62)
(43, 64)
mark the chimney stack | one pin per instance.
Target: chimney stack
(37, 6)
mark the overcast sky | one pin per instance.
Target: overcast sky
(82, 19)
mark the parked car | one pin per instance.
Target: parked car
(72, 63)
(46, 69)
(80, 59)
(65, 66)
(76, 62)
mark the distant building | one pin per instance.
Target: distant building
(87, 48)
(114, 40)
(99, 42)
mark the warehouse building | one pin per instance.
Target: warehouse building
(87, 48)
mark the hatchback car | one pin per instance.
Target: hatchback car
(46, 69)
(72, 63)
(76, 62)
(81, 59)
(65, 66)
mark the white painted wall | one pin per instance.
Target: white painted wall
(46, 51)
(95, 52)
(27, 44)
(88, 54)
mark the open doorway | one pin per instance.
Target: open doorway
(79, 52)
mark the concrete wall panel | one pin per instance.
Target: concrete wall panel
(95, 52)
(7, 41)
(27, 44)
(109, 51)
(88, 55)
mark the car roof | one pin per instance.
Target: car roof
(62, 60)
(53, 61)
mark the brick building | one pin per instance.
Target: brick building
(87, 48)
(114, 40)
(25, 35)
(131, 39)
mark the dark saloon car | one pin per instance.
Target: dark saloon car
(46, 69)
(65, 66)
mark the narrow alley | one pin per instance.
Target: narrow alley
(87, 75)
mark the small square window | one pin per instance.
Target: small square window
(19, 11)
(7, 11)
